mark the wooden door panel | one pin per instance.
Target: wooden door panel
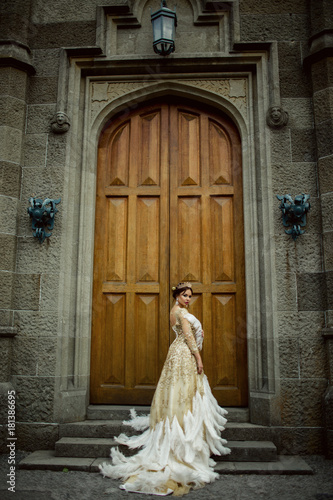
(222, 242)
(188, 238)
(118, 157)
(146, 343)
(220, 171)
(150, 130)
(114, 349)
(116, 231)
(168, 209)
(147, 239)
(189, 148)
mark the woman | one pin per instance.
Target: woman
(185, 422)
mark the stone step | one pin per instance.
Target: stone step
(46, 460)
(116, 412)
(100, 447)
(235, 431)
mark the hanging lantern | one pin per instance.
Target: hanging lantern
(164, 22)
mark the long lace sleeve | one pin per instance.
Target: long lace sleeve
(187, 331)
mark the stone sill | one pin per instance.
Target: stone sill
(8, 331)
(327, 333)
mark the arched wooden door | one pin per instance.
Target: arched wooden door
(168, 209)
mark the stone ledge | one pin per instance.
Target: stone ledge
(8, 331)
(327, 333)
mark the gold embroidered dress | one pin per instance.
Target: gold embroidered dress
(183, 428)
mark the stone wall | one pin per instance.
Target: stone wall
(40, 75)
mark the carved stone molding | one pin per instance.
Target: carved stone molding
(232, 89)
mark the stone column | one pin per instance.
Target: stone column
(15, 67)
(320, 62)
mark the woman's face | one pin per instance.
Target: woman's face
(184, 298)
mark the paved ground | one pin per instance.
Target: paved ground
(49, 485)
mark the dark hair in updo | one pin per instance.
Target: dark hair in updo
(178, 291)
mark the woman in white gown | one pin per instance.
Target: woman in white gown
(185, 422)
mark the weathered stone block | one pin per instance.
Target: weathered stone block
(10, 179)
(295, 178)
(299, 111)
(7, 252)
(6, 355)
(46, 62)
(328, 250)
(47, 353)
(34, 398)
(301, 440)
(32, 322)
(42, 90)
(49, 292)
(321, 16)
(289, 357)
(273, 7)
(294, 82)
(325, 171)
(26, 291)
(322, 74)
(8, 214)
(5, 315)
(301, 402)
(305, 324)
(273, 27)
(13, 82)
(324, 134)
(37, 436)
(73, 34)
(56, 150)
(327, 211)
(6, 284)
(35, 150)
(323, 104)
(286, 301)
(303, 145)
(46, 256)
(11, 141)
(303, 255)
(329, 285)
(313, 359)
(311, 292)
(25, 356)
(39, 118)
(280, 147)
(12, 112)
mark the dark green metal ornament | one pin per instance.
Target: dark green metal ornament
(42, 216)
(294, 213)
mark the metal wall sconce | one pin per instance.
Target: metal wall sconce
(164, 23)
(42, 216)
(294, 213)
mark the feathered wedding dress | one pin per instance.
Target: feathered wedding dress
(183, 428)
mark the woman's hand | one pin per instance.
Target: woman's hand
(200, 367)
(199, 362)
(202, 333)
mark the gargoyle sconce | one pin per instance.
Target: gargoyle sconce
(294, 213)
(42, 216)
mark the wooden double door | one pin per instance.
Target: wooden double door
(168, 209)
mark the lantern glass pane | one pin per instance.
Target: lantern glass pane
(157, 28)
(168, 24)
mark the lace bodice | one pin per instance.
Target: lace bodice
(186, 324)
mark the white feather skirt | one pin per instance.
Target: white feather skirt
(182, 431)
